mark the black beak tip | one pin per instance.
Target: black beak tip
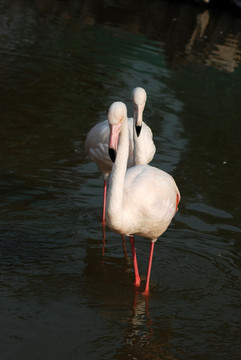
(138, 130)
(112, 154)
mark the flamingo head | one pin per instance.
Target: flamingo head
(139, 100)
(116, 115)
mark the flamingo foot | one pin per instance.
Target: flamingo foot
(145, 292)
(137, 282)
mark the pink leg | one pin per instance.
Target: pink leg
(146, 291)
(124, 245)
(104, 201)
(103, 238)
(137, 276)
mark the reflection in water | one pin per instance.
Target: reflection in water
(109, 286)
(226, 56)
(142, 340)
(207, 37)
(220, 49)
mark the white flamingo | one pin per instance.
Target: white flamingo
(141, 146)
(141, 200)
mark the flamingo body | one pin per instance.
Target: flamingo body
(141, 200)
(149, 203)
(141, 147)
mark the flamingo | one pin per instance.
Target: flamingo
(141, 145)
(141, 200)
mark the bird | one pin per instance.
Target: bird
(141, 145)
(141, 200)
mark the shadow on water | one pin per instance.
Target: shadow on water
(62, 64)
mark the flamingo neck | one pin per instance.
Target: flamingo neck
(117, 178)
(139, 155)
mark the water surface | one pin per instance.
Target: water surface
(62, 65)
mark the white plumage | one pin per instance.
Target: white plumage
(141, 148)
(141, 200)
(148, 204)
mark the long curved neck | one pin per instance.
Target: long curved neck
(139, 153)
(117, 176)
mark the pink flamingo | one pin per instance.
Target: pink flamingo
(141, 200)
(141, 146)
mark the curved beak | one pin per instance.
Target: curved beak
(113, 140)
(112, 154)
(138, 130)
(138, 120)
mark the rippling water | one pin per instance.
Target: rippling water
(62, 65)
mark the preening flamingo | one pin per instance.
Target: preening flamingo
(141, 200)
(141, 145)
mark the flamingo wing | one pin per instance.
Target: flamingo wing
(96, 147)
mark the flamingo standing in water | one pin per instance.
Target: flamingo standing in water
(141, 145)
(141, 200)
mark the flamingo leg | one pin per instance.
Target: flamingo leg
(104, 201)
(146, 291)
(137, 276)
(124, 246)
(103, 239)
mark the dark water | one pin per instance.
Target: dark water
(62, 63)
